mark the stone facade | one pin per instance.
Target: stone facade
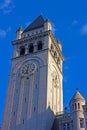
(34, 98)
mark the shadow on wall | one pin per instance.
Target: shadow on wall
(41, 121)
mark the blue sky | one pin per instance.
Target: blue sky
(69, 19)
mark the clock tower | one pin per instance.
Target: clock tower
(35, 90)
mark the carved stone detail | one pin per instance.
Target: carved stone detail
(56, 81)
(55, 55)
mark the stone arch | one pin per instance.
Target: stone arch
(16, 68)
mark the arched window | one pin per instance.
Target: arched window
(78, 105)
(31, 48)
(22, 51)
(40, 45)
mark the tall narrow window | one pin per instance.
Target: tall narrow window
(75, 106)
(25, 99)
(78, 105)
(14, 113)
(34, 109)
(64, 126)
(23, 121)
(40, 45)
(86, 124)
(22, 51)
(55, 54)
(31, 48)
(68, 126)
(81, 123)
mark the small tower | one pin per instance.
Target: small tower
(47, 25)
(76, 108)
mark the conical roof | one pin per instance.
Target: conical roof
(77, 96)
(37, 23)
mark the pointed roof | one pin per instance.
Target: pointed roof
(77, 96)
(37, 23)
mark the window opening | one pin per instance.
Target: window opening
(78, 105)
(75, 106)
(31, 48)
(81, 123)
(64, 126)
(22, 51)
(68, 126)
(40, 46)
(23, 121)
(34, 109)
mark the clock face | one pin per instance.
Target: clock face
(28, 69)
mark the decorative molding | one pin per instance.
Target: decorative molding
(56, 45)
(55, 55)
(33, 37)
(56, 81)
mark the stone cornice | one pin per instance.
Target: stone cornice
(39, 35)
(33, 37)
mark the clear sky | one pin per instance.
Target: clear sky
(69, 19)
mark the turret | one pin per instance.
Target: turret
(76, 107)
(47, 25)
(19, 32)
(77, 102)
